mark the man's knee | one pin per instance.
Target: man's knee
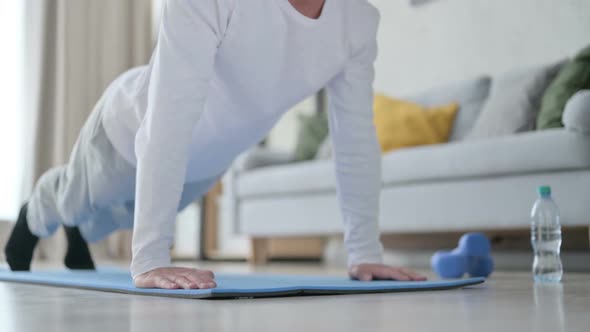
(55, 199)
(72, 212)
(74, 207)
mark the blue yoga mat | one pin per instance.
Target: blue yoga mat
(230, 285)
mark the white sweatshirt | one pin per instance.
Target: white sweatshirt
(222, 74)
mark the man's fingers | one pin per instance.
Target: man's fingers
(362, 276)
(185, 282)
(386, 273)
(398, 275)
(365, 276)
(206, 279)
(174, 278)
(208, 274)
(413, 275)
(191, 279)
(201, 273)
(359, 273)
(165, 283)
(368, 272)
(194, 277)
(207, 284)
(203, 279)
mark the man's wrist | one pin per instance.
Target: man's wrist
(143, 266)
(374, 258)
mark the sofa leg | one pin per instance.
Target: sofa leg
(259, 251)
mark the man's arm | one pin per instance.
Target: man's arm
(357, 157)
(357, 154)
(180, 71)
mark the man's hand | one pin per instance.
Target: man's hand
(368, 272)
(175, 278)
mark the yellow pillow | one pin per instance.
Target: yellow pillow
(403, 124)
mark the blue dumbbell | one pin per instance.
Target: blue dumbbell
(471, 256)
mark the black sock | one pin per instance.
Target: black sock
(78, 255)
(21, 244)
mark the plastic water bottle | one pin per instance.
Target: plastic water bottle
(546, 238)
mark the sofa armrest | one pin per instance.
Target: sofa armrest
(262, 157)
(576, 116)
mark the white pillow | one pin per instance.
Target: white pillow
(470, 95)
(514, 102)
(576, 115)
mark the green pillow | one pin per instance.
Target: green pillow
(574, 76)
(313, 129)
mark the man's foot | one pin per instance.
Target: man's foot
(78, 255)
(21, 244)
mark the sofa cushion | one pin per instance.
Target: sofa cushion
(532, 152)
(574, 76)
(470, 95)
(309, 176)
(514, 102)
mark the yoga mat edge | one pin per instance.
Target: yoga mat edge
(278, 286)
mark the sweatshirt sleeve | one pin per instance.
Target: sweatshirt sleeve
(180, 70)
(357, 155)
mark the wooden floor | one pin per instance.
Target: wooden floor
(507, 302)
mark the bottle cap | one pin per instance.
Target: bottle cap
(544, 191)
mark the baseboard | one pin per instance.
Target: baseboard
(296, 248)
(573, 238)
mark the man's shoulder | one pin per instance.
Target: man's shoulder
(362, 17)
(362, 21)
(361, 9)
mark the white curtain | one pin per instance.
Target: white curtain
(11, 99)
(75, 49)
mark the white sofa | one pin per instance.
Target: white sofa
(485, 184)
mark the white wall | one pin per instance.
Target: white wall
(450, 40)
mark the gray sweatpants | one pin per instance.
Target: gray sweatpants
(95, 190)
